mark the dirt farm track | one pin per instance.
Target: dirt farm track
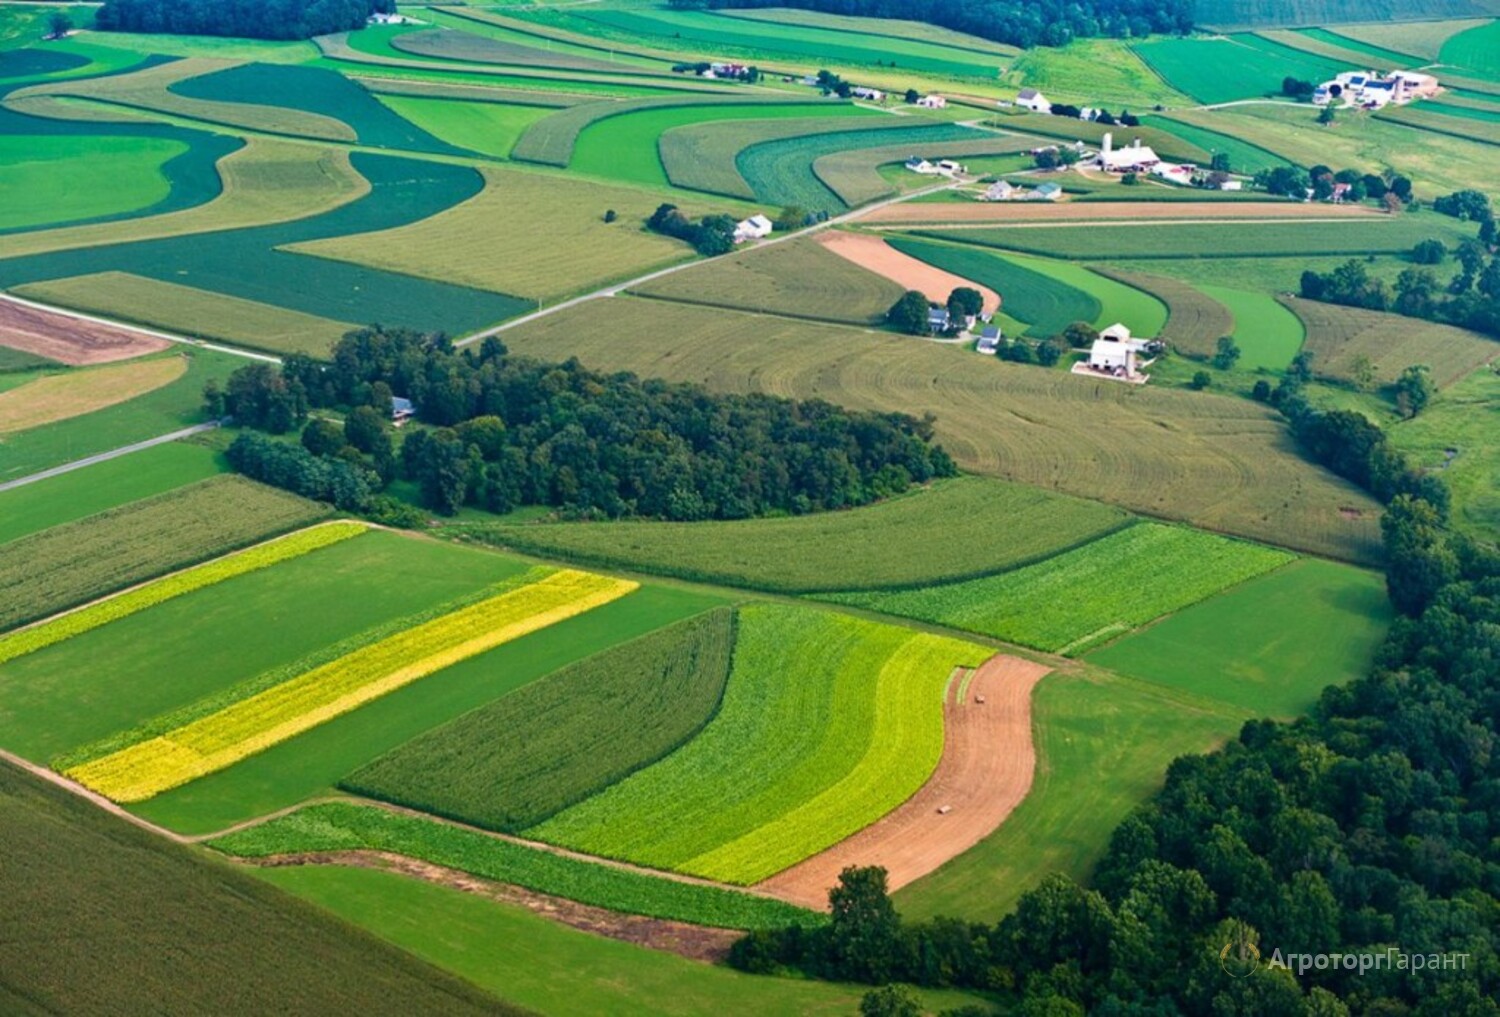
(986, 212)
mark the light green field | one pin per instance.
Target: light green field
(1466, 122)
(892, 28)
(266, 51)
(1475, 51)
(704, 156)
(197, 313)
(487, 127)
(1195, 321)
(1269, 645)
(1225, 68)
(1420, 38)
(71, 496)
(1084, 596)
(1093, 71)
(1268, 335)
(1340, 337)
(1455, 435)
(865, 174)
(56, 179)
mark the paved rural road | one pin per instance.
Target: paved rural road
(125, 450)
(170, 337)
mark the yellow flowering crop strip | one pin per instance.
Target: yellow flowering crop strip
(102, 612)
(252, 725)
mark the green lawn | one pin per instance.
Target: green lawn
(49, 180)
(316, 760)
(552, 969)
(103, 486)
(1269, 645)
(490, 128)
(959, 528)
(1456, 434)
(1268, 334)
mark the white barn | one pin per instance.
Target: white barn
(1031, 99)
(754, 228)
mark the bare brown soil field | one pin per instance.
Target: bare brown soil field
(873, 253)
(70, 340)
(908, 213)
(988, 762)
(60, 396)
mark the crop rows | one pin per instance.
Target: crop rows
(270, 717)
(854, 175)
(1345, 339)
(67, 565)
(1195, 321)
(338, 826)
(1069, 602)
(702, 156)
(550, 744)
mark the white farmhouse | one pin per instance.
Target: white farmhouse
(916, 164)
(932, 102)
(1030, 98)
(865, 92)
(754, 228)
(1000, 190)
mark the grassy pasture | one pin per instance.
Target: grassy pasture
(266, 181)
(1103, 743)
(1173, 240)
(549, 968)
(1268, 335)
(490, 128)
(47, 180)
(1269, 645)
(192, 312)
(525, 757)
(106, 485)
(702, 156)
(1094, 71)
(1243, 156)
(494, 241)
(1420, 38)
(1225, 463)
(1469, 123)
(313, 762)
(1338, 43)
(51, 398)
(339, 826)
(802, 279)
(76, 562)
(1339, 336)
(169, 930)
(1456, 435)
(213, 638)
(1221, 69)
(1195, 320)
(466, 46)
(799, 716)
(1476, 50)
(964, 527)
(491, 24)
(887, 28)
(1099, 590)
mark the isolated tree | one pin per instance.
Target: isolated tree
(1080, 334)
(610, 215)
(912, 96)
(1261, 391)
(1429, 252)
(58, 25)
(909, 313)
(1326, 115)
(1414, 390)
(1226, 353)
(1201, 380)
(1362, 372)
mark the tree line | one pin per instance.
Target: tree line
(1018, 23)
(255, 19)
(500, 431)
(1343, 863)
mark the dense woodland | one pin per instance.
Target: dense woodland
(506, 431)
(255, 19)
(1017, 22)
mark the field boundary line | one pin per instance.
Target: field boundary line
(58, 780)
(129, 326)
(78, 464)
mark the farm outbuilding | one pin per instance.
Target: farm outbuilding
(1030, 98)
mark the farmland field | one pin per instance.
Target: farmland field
(1475, 50)
(490, 128)
(1455, 435)
(55, 180)
(801, 279)
(807, 694)
(1093, 70)
(1234, 67)
(856, 175)
(105, 485)
(967, 526)
(1013, 421)
(1195, 321)
(51, 398)
(891, 28)
(1269, 336)
(1467, 122)
(469, 46)
(1243, 157)
(1269, 645)
(1424, 39)
(525, 757)
(200, 314)
(1083, 596)
(1341, 337)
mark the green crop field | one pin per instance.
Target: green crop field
(1106, 71)
(1467, 122)
(14, 362)
(75, 562)
(1167, 145)
(800, 715)
(1243, 157)
(105, 485)
(1195, 320)
(200, 314)
(802, 279)
(490, 242)
(528, 756)
(550, 968)
(1475, 50)
(1229, 15)
(490, 128)
(886, 28)
(47, 180)
(1081, 597)
(91, 885)
(1221, 69)
(467, 46)
(1103, 743)
(856, 175)
(1018, 422)
(1423, 38)
(703, 156)
(1269, 645)
(340, 826)
(1172, 240)
(213, 638)
(964, 527)
(1268, 335)
(1341, 45)
(492, 24)
(1456, 436)
(1341, 338)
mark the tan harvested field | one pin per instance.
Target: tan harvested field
(60, 396)
(802, 278)
(1339, 336)
(268, 181)
(70, 340)
(986, 769)
(908, 213)
(873, 253)
(1216, 461)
